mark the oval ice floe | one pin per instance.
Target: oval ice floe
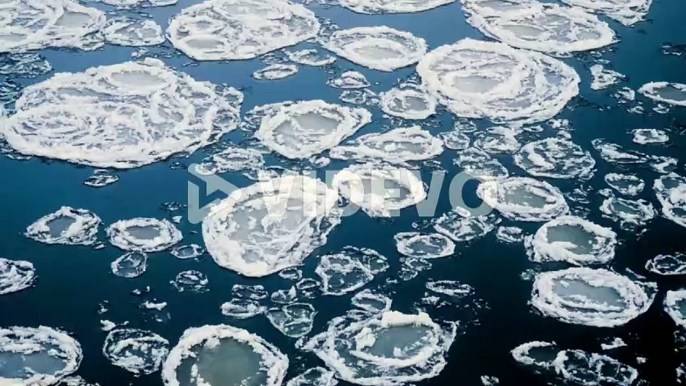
(555, 158)
(252, 292)
(409, 102)
(232, 159)
(275, 72)
(315, 376)
(672, 93)
(671, 192)
(16, 275)
(125, 31)
(379, 48)
(136, 351)
(189, 251)
(497, 140)
(523, 199)
(461, 226)
(626, 184)
(480, 165)
(37, 356)
(130, 265)
(209, 355)
(629, 213)
(310, 57)
(67, 226)
(449, 288)
(626, 12)
(573, 240)
(242, 308)
(667, 265)
(392, 6)
(143, 234)
(349, 270)
(371, 302)
(649, 136)
(592, 297)
(421, 245)
(122, 116)
(603, 77)
(240, 29)
(675, 306)
(191, 281)
(139, 3)
(293, 320)
(349, 80)
(509, 234)
(271, 225)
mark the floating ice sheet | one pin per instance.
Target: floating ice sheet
(284, 296)
(455, 140)
(675, 306)
(240, 29)
(271, 225)
(252, 292)
(143, 234)
(275, 72)
(67, 226)
(293, 320)
(315, 376)
(409, 102)
(497, 140)
(626, 184)
(629, 213)
(101, 178)
(349, 80)
(190, 251)
(349, 270)
(592, 297)
(371, 302)
(509, 234)
(140, 3)
(524, 199)
(191, 281)
(555, 158)
(479, 164)
(136, 351)
(422, 245)
(649, 136)
(604, 78)
(122, 116)
(667, 265)
(242, 308)
(232, 159)
(126, 31)
(379, 48)
(626, 12)
(392, 6)
(614, 153)
(672, 93)
(209, 355)
(310, 57)
(24, 65)
(461, 226)
(16, 275)
(130, 265)
(478, 79)
(671, 192)
(450, 288)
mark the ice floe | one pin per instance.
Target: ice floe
(232, 159)
(422, 245)
(371, 302)
(100, 179)
(461, 225)
(379, 48)
(611, 344)
(509, 234)
(242, 308)
(572, 240)
(604, 78)
(271, 225)
(629, 213)
(67, 226)
(16, 275)
(675, 306)
(315, 376)
(240, 29)
(207, 355)
(293, 320)
(497, 140)
(627, 12)
(555, 158)
(191, 281)
(190, 251)
(137, 351)
(121, 116)
(349, 270)
(672, 93)
(252, 292)
(455, 140)
(24, 65)
(143, 234)
(524, 199)
(408, 101)
(275, 72)
(626, 184)
(449, 288)
(671, 192)
(349, 80)
(310, 57)
(614, 153)
(478, 79)
(130, 264)
(481, 165)
(139, 3)
(392, 6)
(592, 297)
(125, 31)
(649, 136)
(284, 296)
(667, 265)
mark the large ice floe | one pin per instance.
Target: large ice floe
(592, 297)
(479, 79)
(302, 129)
(121, 116)
(240, 29)
(671, 192)
(67, 226)
(392, 6)
(555, 158)
(423, 245)
(35, 24)
(143, 234)
(379, 48)
(126, 31)
(391, 348)
(626, 12)
(573, 240)
(137, 351)
(38, 356)
(408, 101)
(667, 265)
(523, 199)
(397, 146)
(672, 93)
(675, 306)
(223, 355)
(271, 225)
(349, 270)
(379, 190)
(16, 275)
(537, 26)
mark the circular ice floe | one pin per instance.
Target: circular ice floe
(461, 225)
(379, 189)
(302, 129)
(626, 184)
(122, 116)
(392, 6)
(540, 27)
(379, 48)
(271, 225)
(523, 199)
(37, 356)
(316, 376)
(136, 351)
(649, 136)
(190, 251)
(573, 240)
(667, 265)
(675, 306)
(629, 213)
(143, 234)
(408, 102)
(242, 308)
(672, 93)
(310, 57)
(125, 31)
(208, 355)
(240, 29)
(479, 164)
(293, 320)
(478, 79)
(130, 265)
(371, 302)
(421, 245)
(389, 349)
(67, 226)
(349, 80)
(16, 275)
(497, 140)
(626, 12)
(555, 158)
(349, 270)
(191, 281)
(275, 72)
(671, 192)
(592, 297)
(139, 3)
(231, 159)
(397, 146)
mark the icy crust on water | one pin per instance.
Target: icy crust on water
(479, 164)
(316, 376)
(392, 6)
(672, 93)
(310, 57)
(130, 265)
(478, 79)
(604, 78)
(523, 199)
(379, 48)
(143, 234)
(140, 3)
(425, 246)
(408, 102)
(232, 159)
(293, 320)
(671, 192)
(626, 12)
(34, 24)
(675, 306)
(275, 72)
(667, 265)
(592, 297)
(629, 213)
(122, 116)
(208, 356)
(626, 184)
(16, 275)
(37, 356)
(537, 26)
(240, 29)
(299, 130)
(371, 302)
(397, 146)
(271, 225)
(191, 281)
(349, 270)
(379, 189)
(555, 158)
(125, 31)
(67, 226)
(461, 226)
(242, 308)
(573, 240)
(349, 80)
(136, 351)
(388, 349)
(649, 136)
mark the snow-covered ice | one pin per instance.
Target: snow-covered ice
(555, 158)
(315, 376)
(67, 226)
(649, 136)
(524, 199)
(191, 281)
(462, 226)
(603, 77)
(672, 93)
(242, 308)
(626, 184)
(143, 234)
(16, 275)
(424, 245)
(675, 306)
(667, 265)
(126, 31)
(130, 264)
(190, 251)
(137, 351)
(479, 164)
(371, 301)
(408, 101)
(671, 192)
(349, 270)
(628, 212)
(392, 6)
(311, 57)
(349, 80)
(293, 320)
(627, 12)
(275, 72)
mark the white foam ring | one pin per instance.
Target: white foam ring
(555, 158)
(672, 93)
(66, 226)
(675, 306)
(125, 31)
(349, 80)
(143, 234)
(626, 184)
(271, 225)
(240, 29)
(421, 245)
(629, 213)
(121, 116)
(272, 363)
(299, 130)
(136, 351)
(392, 6)
(408, 102)
(310, 57)
(191, 281)
(649, 136)
(667, 265)
(592, 297)
(523, 199)
(626, 12)
(362, 350)
(450, 288)
(371, 302)
(478, 79)
(671, 192)
(16, 275)
(38, 350)
(573, 240)
(379, 48)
